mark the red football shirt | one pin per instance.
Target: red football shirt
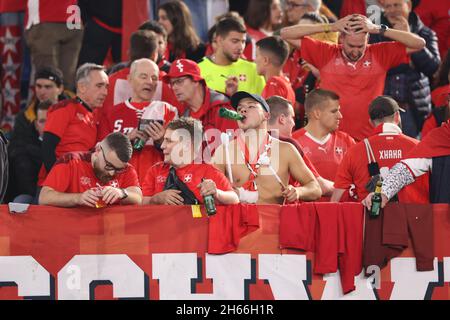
(74, 123)
(124, 117)
(279, 86)
(357, 83)
(326, 155)
(389, 147)
(191, 175)
(39, 11)
(73, 173)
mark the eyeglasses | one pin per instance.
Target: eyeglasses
(109, 166)
(294, 5)
(177, 81)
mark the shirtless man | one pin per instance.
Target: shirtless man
(261, 165)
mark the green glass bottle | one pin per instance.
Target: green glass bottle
(376, 201)
(210, 204)
(230, 114)
(138, 144)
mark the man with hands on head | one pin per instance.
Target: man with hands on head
(182, 178)
(88, 179)
(355, 70)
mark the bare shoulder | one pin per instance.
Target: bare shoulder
(284, 146)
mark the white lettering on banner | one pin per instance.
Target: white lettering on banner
(447, 270)
(333, 288)
(285, 274)
(410, 284)
(127, 278)
(31, 278)
(74, 280)
(175, 272)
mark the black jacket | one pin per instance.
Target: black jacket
(24, 152)
(409, 83)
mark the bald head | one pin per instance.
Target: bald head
(143, 78)
(143, 65)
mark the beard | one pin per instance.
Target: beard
(230, 57)
(103, 177)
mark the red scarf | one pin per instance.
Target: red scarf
(435, 144)
(253, 165)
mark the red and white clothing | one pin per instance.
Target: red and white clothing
(279, 86)
(73, 173)
(74, 123)
(76, 126)
(326, 154)
(389, 146)
(357, 83)
(38, 11)
(124, 118)
(120, 90)
(191, 175)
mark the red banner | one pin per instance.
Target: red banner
(160, 252)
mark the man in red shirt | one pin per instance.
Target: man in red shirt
(386, 146)
(354, 70)
(198, 101)
(94, 179)
(321, 140)
(280, 125)
(181, 146)
(125, 116)
(143, 44)
(271, 55)
(72, 124)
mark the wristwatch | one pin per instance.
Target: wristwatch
(124, 194)
(383, 29)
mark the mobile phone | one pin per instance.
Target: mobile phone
(144, 122)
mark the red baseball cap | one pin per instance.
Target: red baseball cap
(181, 68)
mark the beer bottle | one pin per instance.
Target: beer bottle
(209, 202)
(230, 114)
(376, 201)
(138, 144)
